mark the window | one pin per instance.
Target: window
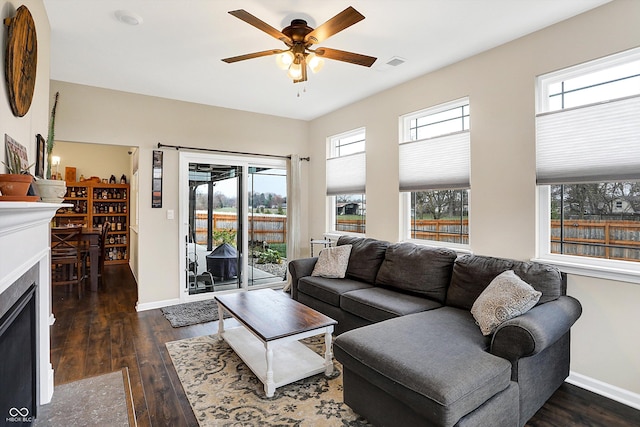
(588, 163)
(346, 178)
(434, 173)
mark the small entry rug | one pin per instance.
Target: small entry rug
(223, 391)
(191, 313)
(104, 400)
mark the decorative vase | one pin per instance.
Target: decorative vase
(12, 184)
(51, 190)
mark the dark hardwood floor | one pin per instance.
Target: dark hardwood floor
(102, 332)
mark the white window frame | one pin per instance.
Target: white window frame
(331, 200)
(405, 197)
(626, 271)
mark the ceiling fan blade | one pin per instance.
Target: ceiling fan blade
(341, 55)
(343, 20)
(253, 55)
(261, 25)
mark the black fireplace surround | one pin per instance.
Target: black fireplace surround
(18, 347)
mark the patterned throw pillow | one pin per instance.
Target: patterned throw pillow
(506, 297)
(332, 262)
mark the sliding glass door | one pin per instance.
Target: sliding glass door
(212, 257)
(267, 224)
(233, 213)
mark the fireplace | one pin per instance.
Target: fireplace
(18, 353)
(25, 310)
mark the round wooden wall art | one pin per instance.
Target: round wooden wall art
(21, 60)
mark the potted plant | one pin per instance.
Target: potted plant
(51, 190)
(18, 180)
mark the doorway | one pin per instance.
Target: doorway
(233, 226)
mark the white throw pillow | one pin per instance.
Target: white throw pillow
(506, 297)
(332, 262)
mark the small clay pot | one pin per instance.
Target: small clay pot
(15, 184)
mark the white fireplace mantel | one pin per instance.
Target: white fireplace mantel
(25, 242)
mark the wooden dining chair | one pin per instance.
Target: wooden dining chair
(67, 264)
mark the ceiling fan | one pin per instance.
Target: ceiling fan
(299, 38)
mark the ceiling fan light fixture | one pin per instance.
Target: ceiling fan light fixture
(315, 62)
(299, 37)
(284, 60)
(295, 71)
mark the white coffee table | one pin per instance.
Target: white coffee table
(268, 339)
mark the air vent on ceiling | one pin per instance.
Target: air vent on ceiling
(391, 63)
(395, 61)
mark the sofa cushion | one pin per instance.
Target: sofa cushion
(332, 262)
(434, 361)
(417, 269)
(473, 273)
(506, 297)
(377, 304)
(328, 290)
(365, 259)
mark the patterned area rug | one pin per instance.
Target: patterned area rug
(191, 313)
(223, 391)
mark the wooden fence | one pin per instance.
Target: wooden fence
(350, 225)
(441, 230)
(262, 228)
(602, 239)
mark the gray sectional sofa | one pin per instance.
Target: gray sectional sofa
(411, 350)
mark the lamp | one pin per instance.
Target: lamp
(55, 161)
(296, 60)
(285, 59)
(315, 62)
(295, 71)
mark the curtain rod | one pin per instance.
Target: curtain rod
(213, 150)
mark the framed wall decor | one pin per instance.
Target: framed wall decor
(156, 182)
(17, 151)
(41, 145)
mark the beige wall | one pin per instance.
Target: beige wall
(99, 116)
(24, 129)
(94, 159)
(501, 86)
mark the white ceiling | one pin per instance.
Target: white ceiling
(176, 52)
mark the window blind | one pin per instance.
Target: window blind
(595, 143)
(346, 174)
(435, 163)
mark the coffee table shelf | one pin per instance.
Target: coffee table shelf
(292, 361)
(268, 340)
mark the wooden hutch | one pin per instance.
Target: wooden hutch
(94, 204)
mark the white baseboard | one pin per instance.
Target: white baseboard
(157, 304)
(612, 392)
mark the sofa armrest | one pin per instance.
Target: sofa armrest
(535, 330)
(300, 268)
